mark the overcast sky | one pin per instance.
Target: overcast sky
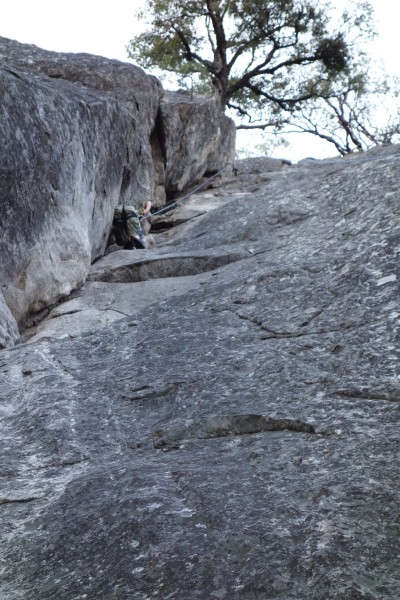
(105, 28)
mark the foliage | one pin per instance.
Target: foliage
(274, 63)
(351, 121)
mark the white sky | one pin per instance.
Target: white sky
(104, 27)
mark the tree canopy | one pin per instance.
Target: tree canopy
(267, 60)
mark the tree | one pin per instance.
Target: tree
(353, 119)
(266, 60)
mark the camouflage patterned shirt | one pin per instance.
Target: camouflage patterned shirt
(126, 224)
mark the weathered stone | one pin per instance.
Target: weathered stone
(81, 134)
(126, 266)
(126, 83)
(9, 333)
(223, 155)
(214, 426)
(274, 384)
(260, 164)
(197, 138)
(98, 304)
(178, 143)
(62, 174)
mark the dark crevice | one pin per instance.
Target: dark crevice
(70, 312)
(377, 395)
(271, 334)
(148, 392)
(116, 311)
(126, 178)
(161, 226)
(215, 426)
(158, 137)
(12, 72)
(67, 462)
(19, 500)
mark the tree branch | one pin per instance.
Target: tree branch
(219, 31)
(284, 103)
(260, 70)
(190, 55)
(343, 150)
(261, 126)
(252, 125)
(345, 124)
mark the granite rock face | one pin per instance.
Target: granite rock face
(80, 134)
(9, 334)
(237, 438)
(179, 136)
(62, 174)
(124, 83)
(197, 139)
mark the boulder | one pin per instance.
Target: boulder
(197, 139)
(255, 165)
(126, 83)
(81, 134)
(75, 142)
(181, 136)
(223, 153)
(62, 174)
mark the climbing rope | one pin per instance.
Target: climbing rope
(177, 202)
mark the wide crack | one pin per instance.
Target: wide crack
(215, 426)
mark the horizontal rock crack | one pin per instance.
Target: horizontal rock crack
(215, 426)
(19, 500)
(147, 392)
(363, 394)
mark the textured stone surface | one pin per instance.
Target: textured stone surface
(224, 148)
(178, 136)
(100, 303)
(197, 139)
(9, 334)
(260, 164)
(62, 174)
(238, 440)
(123, 266)
(80, 134)
(125, 82)
(128, 84)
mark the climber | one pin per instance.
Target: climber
(126, 228)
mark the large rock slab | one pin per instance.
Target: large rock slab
(62, 174)
(123, 283)
(98, 304)
(180, 136)
(81, 134)
(126, 83)
(123, 81)
(236, 441)
(125, 266)
(197, 139)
